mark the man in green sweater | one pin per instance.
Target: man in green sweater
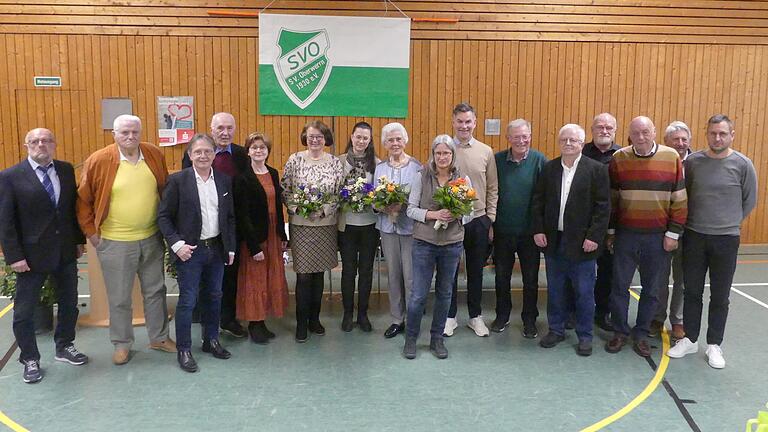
(518, 169)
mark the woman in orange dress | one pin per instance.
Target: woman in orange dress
(262, 290)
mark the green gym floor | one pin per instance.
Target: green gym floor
(360, 382)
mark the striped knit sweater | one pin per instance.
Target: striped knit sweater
(648, 192)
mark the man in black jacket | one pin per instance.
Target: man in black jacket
(232, 160)
(40, 237)
(570, 212)
(197, 219)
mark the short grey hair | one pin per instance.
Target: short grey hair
(516, 123)
(574, 127)
(125, 118)
(392, 127)
(605, 115)
(448, 141)
(675, 126)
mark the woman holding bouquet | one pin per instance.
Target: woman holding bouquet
(262, 290)
(358, 236)
(312, 180)
(437, 243)
(401, 171)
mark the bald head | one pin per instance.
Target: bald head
(41, 145)
(642, 132)
(223, 128)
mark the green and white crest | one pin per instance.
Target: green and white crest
(302, 67)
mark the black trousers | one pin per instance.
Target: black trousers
(716, 253)
(309, 296)
(28, 286)
(229, 293)
(504, 249)
(358, 251)
(476, 245)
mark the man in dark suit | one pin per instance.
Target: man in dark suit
(232, 160)
(570, 212)
(40, 237)
(197, 219)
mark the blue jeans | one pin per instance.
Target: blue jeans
(205, 269)
(427, 257)
(582, 276)
(643, 252)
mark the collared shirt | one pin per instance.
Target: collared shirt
(220, 149)
(123, 158)
(567, 181)
(51, 170)
(511, 158)
(209, 206)
(650, 153)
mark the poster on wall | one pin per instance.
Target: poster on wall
(175, 119)
(333, 65)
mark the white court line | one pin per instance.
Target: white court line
(743, 294)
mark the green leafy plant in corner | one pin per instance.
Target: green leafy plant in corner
(8, 286)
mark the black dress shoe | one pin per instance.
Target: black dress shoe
(214, 347)
(394, 330)
(364, 323)
(346, 323)
(551, 340)
(264, 328)
(604, 322)
(316, 328)
(187, 363)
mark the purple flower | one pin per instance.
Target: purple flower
(367, 187)
(345, 193)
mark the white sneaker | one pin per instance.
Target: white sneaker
(450, 326)
(478, 326)
(715, 356)
(682, 348)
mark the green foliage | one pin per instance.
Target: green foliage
(8, 286)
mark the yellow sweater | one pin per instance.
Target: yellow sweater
(133, 204)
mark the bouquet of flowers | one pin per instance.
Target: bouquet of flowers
(357, 196)
(306, 199)
(456, 196)
(388, 193)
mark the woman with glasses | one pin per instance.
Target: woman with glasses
(433, 247)
(312, 175)
(358, 236)
(262, 290)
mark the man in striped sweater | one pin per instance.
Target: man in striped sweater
(649, 210)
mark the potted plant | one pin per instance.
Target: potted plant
(44, 311)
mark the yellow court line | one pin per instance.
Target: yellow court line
(4, 418)
(649, 389)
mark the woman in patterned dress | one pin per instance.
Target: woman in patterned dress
(262, 290)
(313, 238)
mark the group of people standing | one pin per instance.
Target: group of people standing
(599, 212)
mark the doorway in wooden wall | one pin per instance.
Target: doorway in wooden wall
(64, 112)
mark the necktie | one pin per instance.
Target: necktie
(48, 184)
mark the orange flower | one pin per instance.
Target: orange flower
(390, 188)
(459, 181)
(471, 193)
(455, 189)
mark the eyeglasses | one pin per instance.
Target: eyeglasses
(519, 138)
(315, 138)
(38, 141)
(573, 140)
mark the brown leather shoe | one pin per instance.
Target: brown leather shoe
(614, 345)
(167, 345)
(120, 356)
(655, 329)
(678, 331)
(642, 348)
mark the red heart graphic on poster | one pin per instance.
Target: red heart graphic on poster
(180, 111)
